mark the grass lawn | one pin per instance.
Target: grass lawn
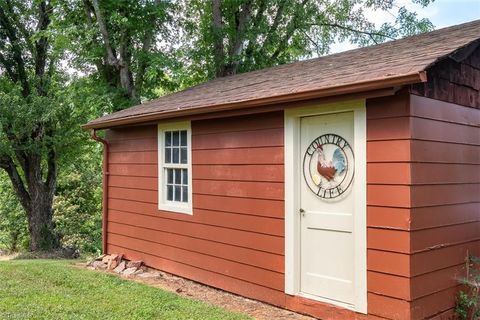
(55, 289)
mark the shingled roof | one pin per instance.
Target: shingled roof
(385, 65)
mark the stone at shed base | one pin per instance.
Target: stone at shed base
(120, 267)
(107, 258)
(98, 265)
(139, 271)
(112, 264)
(134, 264)
(129, 271)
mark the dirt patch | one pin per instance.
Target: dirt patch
(5, 257)
(223, 299)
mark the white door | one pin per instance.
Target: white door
(327, 207)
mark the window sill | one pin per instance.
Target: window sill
(175, 208)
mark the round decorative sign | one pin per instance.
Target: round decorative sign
(328, 166)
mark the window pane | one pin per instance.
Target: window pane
(183, 136)
(168, 155)
(168, 138)
(175, 155)
(169, 193)
(185, 176)
(178, 176)
(183, 155)
(170, 176)
(178, 193)
(185, 194)
(176, 138)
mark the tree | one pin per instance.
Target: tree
(124, 43)
(226, 37)
(27, 149)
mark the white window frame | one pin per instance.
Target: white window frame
(163, 203)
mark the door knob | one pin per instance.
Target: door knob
(302, 212)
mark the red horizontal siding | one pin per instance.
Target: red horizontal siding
(253, 172)
(434, 130)
(211, 263)
(242, 255)
(133, 145)
(273, 120)
(267, 225)
(143, 157)
(445, 201)
(389, 218)
(440, 237)
(388, 151)
(389, 262)
(256, 207)
(133, 170)
(145, 183)
(443, 257)
(444, 215)
(388, 207)
(241, 189)
(444, 152)
(243, 156)
(235, 238)
(247, 239)
(423, 205)
(240, 139)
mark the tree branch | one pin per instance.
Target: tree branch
(11, 33)
(236, 45)
(8, 67)
(276, 21)
(89, 11)
(126, 79)
(111, 56)
(146, 45)
(217, 25)
(51, 163)
(41, 45)
(244, 17)
(8, 165)
(256, 20)
(25, 33)
(291, 28)
(371, 34)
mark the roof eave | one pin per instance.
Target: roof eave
(357, 87)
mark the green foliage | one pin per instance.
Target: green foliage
(468, 300)
(77, 206)
(55, 289)
(13, 223)
(141, 34)
(77, 203)
(257, 34)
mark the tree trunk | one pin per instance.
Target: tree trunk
(40, 219)
(36, 197)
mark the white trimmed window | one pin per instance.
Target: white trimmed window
(175, 167)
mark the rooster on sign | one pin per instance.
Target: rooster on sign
(330, 168)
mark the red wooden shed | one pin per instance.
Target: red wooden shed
(345, 186)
